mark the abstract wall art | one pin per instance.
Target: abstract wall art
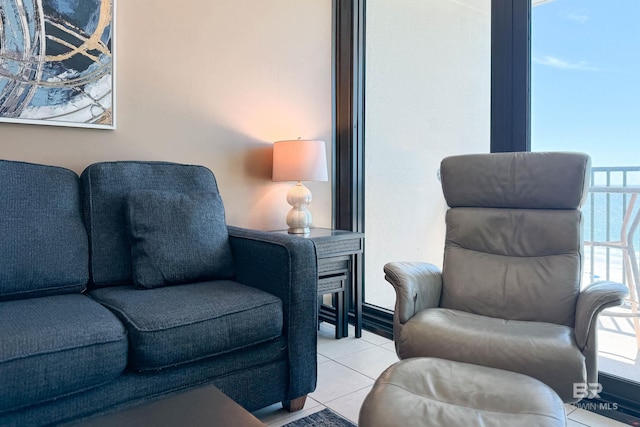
(57, 63)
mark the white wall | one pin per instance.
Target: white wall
(427, 96)
(210, 82)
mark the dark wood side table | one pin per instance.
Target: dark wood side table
(339, 264)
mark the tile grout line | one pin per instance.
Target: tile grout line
(342, 397)
(358, 372)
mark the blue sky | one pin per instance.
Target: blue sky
(586, 79)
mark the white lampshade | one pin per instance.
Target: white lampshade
(299, 160)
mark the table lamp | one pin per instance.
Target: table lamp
(299, 160)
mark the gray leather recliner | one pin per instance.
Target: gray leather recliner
(509, 294)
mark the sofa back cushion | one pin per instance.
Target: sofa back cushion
(43, 242)
(108, 188)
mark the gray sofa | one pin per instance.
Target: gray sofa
(125, 285)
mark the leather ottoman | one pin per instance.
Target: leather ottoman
(436, 392)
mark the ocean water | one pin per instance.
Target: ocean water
(603, 216)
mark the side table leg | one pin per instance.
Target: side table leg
(340, 310)
(354, 297)
(345, 309)
(357, 295)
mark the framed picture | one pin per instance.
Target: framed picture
(57, 62)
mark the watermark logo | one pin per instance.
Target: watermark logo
(586, 390)
(591, 391)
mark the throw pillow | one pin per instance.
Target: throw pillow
(177, 238)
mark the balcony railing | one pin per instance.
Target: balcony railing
(604, 214)
(612, 216)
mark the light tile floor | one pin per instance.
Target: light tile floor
(347, 369)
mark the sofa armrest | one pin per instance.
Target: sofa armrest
(591, 301)
(286, 267)
(418, 286)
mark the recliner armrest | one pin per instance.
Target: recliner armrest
(418, 286)
(591, 301)
(286, 267)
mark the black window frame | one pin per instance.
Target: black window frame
(510, 131)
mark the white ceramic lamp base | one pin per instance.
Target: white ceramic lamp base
(299, 217)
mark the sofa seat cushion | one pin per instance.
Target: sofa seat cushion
(53, 346)
(177, 238)
(179, 324)
(544, 351)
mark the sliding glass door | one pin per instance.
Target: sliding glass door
(427, 95)
(586, 97)
(441, 77)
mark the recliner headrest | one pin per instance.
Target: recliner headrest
(523, 180)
